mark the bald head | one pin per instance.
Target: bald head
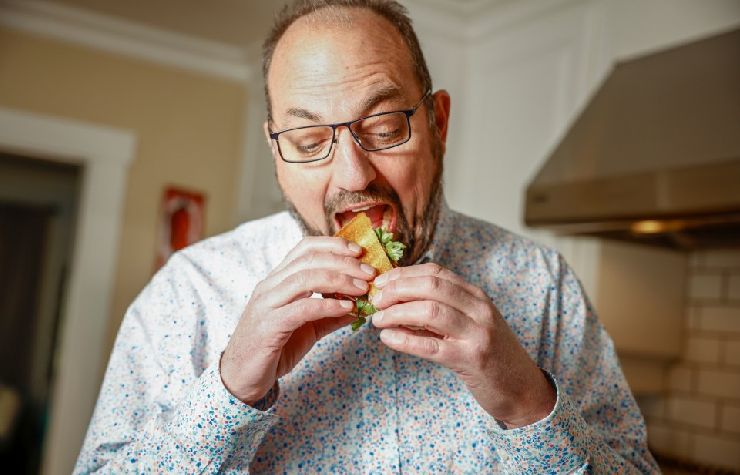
(342, 14)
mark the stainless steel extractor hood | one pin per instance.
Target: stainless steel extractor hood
(655, 155)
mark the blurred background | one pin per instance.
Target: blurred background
(609, 129)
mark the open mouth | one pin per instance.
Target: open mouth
(380, 214)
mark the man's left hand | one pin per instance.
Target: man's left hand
(430, 312)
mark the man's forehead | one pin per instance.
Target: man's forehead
(354, 105)
(326, 70)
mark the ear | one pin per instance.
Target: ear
(270, 143)
(442, 115)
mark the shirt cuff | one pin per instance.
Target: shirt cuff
(556, 444)
(212, 424)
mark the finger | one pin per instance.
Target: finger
(306, 282)
(315, 260)
(428, 269)
(330, 325)
(298, 313)
(427, 314)
(334, 245)
(426, 288)
(427, 347)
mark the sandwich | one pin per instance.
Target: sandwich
(380, 251)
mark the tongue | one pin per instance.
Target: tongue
(376, 215)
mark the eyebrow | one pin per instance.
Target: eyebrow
(385, 93)
(304, 114)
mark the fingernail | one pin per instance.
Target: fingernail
(354, 247)
(381, 280)
(376, 298)
(377, 317)
(346, 304)
(368, 269)
(360, 284)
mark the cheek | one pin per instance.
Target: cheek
(412, 183)
(305, 189)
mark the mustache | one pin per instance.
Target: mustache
(373, 192)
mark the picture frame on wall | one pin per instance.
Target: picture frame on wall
(181, 221)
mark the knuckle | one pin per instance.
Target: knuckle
(432, 284)
(488, 311)
(311, 258)
(429, 346)
(337, 278)
(349, 261)
(433, 311)
(480, 349)
(478, 292)
(300, 280)
(486, 339)
(434, 268)
(301, 307)
(330, 305)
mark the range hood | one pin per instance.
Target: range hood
(655, 155)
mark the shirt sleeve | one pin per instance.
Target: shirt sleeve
(595, 426)
(162, 406)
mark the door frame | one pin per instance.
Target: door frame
(105, 154)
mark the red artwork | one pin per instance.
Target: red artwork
(181, 221)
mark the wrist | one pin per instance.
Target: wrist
(537, 406)
(249, 397)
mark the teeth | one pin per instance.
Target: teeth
(361, 209)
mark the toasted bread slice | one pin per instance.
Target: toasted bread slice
(360, 231)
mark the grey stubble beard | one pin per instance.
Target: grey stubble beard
(417, 236)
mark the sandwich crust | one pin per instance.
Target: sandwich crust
(360, 231)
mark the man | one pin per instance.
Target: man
(230, 362)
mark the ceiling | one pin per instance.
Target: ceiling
(236, 22)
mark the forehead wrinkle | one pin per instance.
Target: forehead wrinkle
(381, 90)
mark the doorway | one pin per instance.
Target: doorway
(39, 202)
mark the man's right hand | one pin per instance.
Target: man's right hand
(281, 321)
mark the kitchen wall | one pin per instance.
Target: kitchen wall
(189, 129)
(698, 419)
(520, 72)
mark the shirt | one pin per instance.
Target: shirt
(352, 405)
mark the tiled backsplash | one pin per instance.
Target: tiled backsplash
(698, 420)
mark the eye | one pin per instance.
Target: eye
(383, 130)
(307, 142)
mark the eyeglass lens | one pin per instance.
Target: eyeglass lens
(372, 133)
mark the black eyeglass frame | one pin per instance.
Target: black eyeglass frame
(408, 112)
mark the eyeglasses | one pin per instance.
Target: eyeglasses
(375, 132)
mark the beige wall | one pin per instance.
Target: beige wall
(189, 130)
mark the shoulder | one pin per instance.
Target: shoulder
(258, 243)
(500, 250)
(236, 258)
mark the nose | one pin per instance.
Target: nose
(352, 171)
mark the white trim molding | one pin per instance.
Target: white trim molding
(112, 34)
(105, 154)
(474, 20)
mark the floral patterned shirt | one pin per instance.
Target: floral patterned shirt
(352, 405)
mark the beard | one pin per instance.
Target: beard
(415, 231)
